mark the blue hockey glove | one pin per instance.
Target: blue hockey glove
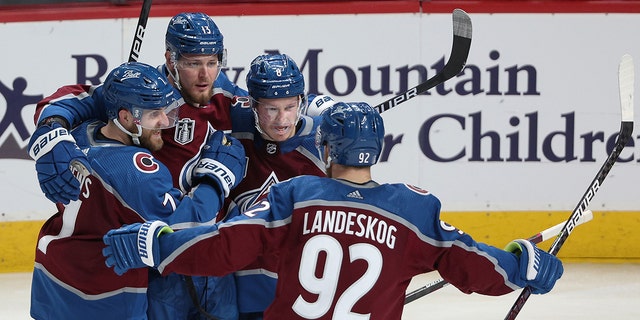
(134, 246)
(222, 162)
(54, 150)
(538, 269)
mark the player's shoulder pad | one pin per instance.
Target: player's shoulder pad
(223, 82)
(415, 189)
(242, 116)
(294, 189)
(411, 195)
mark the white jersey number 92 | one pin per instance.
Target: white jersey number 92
(326, 285)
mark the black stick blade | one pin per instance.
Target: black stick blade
(462, 30)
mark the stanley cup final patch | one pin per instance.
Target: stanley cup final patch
(184, 131)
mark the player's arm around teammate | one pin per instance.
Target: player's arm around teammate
(370, 238)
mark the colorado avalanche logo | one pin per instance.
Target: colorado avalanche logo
(241, 102)
(250, 197)
(416, 189)
(447, 227)
(144, 162)
(184, 131)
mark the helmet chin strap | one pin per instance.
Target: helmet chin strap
(327, 164)
(175, 75)
(257, 121)
(134, 136)
(325, 156)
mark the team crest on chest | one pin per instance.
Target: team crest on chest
(271, 148)
(145, 163)
(184, 131)
(251, 197)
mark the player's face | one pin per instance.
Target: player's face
(152, 122)
(151, 137)
(277, 117)
(197, 74)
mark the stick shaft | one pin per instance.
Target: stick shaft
(625, 83)
(134, 53)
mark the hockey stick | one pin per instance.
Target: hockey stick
(134, 53)
(543, 236)
(625, 82)
(462, 30)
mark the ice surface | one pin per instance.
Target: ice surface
(586, 291)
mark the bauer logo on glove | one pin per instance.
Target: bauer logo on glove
(208, 166)
(47, 141)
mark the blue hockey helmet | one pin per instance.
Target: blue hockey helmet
(194, 33)
(353, 132)
(139, 87)
(274, 76)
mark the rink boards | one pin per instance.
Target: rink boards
(509, 146)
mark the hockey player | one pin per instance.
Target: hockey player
(280, 144)
(126, 185)
(347, 246)
(278, 139)
(194, 56)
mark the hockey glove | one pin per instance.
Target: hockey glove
(134, 246)
(222, 162)
(54, 149)
(538, 269)
(316, 106)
